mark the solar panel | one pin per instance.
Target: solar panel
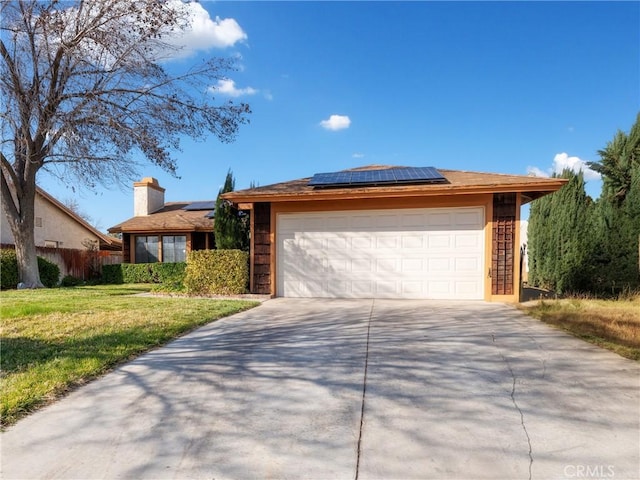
(208, 205)
(331, 179)
(387, 176)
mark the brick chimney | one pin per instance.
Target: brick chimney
(148, 196)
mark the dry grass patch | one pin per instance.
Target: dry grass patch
(612, 324)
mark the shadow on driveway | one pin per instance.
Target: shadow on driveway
(453, 390)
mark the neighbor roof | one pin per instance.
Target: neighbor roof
(171, 218)
(457, 182)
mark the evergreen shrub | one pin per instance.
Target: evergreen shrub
(70, 281)
(49, 272)
(144, 273)
(8, 269)
(217, 272)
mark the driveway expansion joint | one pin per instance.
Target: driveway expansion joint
(364, 390)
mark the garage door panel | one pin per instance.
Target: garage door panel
(337, 242)
(467, 240)
(440, 288)
(361, 265)
(469, 218)
(412, 253)
(387, 265)
(412, 220)
(387, 241)
(466, 289)
(362, 222)
(435, 240)
(437, 221)
(361, 242)
(412, 241)
(412, 265)
(471, 264)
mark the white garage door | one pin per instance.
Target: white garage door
(410, 253)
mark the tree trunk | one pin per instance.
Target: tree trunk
(20, 212)
(27, 257)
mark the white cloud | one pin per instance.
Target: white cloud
(228, 87)
(563, 161)
(536, 172)
(358, 155)
(204, 32)
(336, 122)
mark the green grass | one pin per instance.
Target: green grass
(53, 340)
(611, 324)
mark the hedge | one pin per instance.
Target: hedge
(217, 272)
(143, 272)
(49, 272)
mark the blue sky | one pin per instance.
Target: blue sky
(506, 87)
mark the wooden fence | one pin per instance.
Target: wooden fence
(83, 264)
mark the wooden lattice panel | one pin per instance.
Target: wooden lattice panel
(503, 244)
(262, 248)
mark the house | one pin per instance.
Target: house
(524, 227)
(62, 236)
(390, 232)
(164, 232)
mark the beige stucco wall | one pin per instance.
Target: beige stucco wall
(57, 226)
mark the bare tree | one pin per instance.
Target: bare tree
(84, 88)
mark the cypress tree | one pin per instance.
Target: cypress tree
(560, 243)
(230, 226)
(618, 212)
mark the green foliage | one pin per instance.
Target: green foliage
(578, 245)
(230, 226)
(49, 272)
(560, 244)
(144, 273)
(217, 272)
(112, 274)
(618, 161)
(70, 281)
(8, 269)
(617, 235)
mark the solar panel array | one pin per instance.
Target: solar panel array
(387, 176)
(209, 205)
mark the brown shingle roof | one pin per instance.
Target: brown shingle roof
(170, 218)
(458, 182)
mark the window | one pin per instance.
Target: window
(146, 249)
(174, 248)
(38, 221)
(50, 244)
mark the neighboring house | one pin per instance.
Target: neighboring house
(390, 232)
(59, 232)
(164, 232)
(524, 227)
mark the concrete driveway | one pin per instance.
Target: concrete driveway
(343, 389)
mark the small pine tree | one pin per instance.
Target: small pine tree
(230, 226)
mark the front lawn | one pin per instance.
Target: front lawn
(55, 339)
(612, 324)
